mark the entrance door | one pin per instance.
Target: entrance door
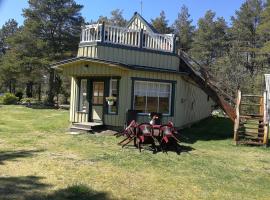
(97, 101)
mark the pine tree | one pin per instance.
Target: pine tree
(264, 31)
(209, 39)
(8, 71)
(184, 29)
(245, 34)
(8, 29)
(57, 24)
(161, 24)
(116, 18)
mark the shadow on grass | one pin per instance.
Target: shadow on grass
(213, 128)
(19, 187)
(13, 155)
(30, 188)
(77, 192)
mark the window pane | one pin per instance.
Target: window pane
(113, 92)
(164, 105)
(152, 104)
(83, 95)
(100, 100)
(95, 100)
(139, 103)
(152, 96)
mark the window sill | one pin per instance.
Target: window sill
(148, 114)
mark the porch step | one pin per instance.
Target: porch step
(85, 126)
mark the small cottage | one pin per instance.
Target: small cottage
(132, 68)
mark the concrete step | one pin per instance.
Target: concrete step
(85, 126)
(80, 129)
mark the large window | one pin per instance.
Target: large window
(83, 96)
(113, 92)
(152, 97)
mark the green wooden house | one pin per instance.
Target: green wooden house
(138, 69)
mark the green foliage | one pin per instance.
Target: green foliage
(209, 39)
(19, 94)
(184, 29)
(160, 23)
(9, 99)
(29, 101)
(264, 30)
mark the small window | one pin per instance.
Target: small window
(112, 109)
(152, 97)
(83, 96)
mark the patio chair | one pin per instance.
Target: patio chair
(167, 133)
(156, 118)
(145, 132)
(129, 133)
(131, 115)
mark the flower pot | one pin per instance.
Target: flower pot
(110, 103)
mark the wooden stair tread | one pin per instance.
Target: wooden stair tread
(250, 104)
(249, 142)
(252, 95)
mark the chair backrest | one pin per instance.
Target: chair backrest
(156, 117)
(132, 124)
(145, 129)
(166, 129)
(131, 115)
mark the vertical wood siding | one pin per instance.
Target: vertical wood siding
(137, 24)
(190, 103)
(132, 57)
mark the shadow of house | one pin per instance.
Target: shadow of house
(77, 192)
(213, 128)
(19, 187)
(13, 155)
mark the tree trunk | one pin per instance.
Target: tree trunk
(51, 87)
(29, 89)
(39, 91)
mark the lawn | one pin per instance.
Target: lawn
(39, 160)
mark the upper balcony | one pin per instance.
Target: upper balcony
(139, 38)
(137, 44)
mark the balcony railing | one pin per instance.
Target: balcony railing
(128, 37)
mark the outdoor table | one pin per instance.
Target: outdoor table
(156, 128)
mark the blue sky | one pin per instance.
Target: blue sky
(151, 8)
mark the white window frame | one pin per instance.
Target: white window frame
(110, 94)
(155, 82)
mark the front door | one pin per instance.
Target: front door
(97, 101)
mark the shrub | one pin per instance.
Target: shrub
(19, 94)
(28, 101)
(9, 98)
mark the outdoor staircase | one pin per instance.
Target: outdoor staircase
(85, 127)
(249, 128)
(222, 95)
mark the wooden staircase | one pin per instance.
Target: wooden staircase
(207, 83)
(251, 128)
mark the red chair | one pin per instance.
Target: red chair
(167, 133)
(129, 133)
(145, 132)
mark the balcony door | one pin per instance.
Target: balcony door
(97, 100)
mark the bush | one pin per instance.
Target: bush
(19, 95)
(9, 98)
(28, 101)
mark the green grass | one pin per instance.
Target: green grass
(39, 160)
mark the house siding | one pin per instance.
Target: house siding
(190, 102)
(130, 56)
